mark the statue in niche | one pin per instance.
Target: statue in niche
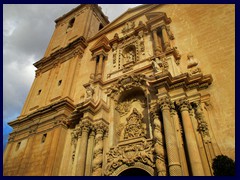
(129, 56)
(134, 127)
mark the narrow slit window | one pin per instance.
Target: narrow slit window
(39, 91)
(18, 145)
(59, 82)
(44, 137)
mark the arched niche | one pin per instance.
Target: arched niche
(129, 54)
(132, 115)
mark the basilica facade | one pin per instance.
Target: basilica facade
(151, 93)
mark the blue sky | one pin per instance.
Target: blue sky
(27, 29)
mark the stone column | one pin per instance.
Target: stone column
(88, 170)
(158, 48)
(193, 151)
(85, 127)
(75, 138)
(171, 141)
(98, 150)
(166, 40)
(99, 67)
(158, 144)
(178, 130)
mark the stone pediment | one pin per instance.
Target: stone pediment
(152, 15)
(102, 43)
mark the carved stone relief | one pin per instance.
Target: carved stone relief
(128, 27)
(134, 127)
(129, 154)
(124, 107)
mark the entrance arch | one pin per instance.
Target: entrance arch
(134, 172)
(140, 167)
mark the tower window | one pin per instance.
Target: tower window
(71, 22)
(18, 145)
(44, 137)
(39, 91)
(59, 82)
(100, 26)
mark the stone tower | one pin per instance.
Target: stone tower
(128, 97)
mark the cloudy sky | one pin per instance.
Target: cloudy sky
(27, 30)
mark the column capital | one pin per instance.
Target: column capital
(164, 103)
(85, 125)
(173, 109)
(163, 27)
(101, 128)
(183, 104)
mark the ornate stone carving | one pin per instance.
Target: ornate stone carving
(202, 124)
(85, 126)
(159, 65)
(114, 49)
(128, 27)
(101, 128)
(193, 65)
(141, 41)
(74, 138)
(183, 104)
(170, 34)
(158, 143)
(134, 127)
(164, 103)
(124, 107)
(126, 83)
(89, 92)
(129, 154)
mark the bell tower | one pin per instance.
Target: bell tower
(83, 21)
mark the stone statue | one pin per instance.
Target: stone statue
(156, 66)
(193, 65)
(89, 92)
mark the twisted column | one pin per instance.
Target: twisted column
(98, 150)
(158, 144)
(170, 137)
(193, 151)
(85, 127)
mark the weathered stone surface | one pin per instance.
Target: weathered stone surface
(136, 94)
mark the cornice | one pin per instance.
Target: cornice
(64, 103)
(74, 48)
